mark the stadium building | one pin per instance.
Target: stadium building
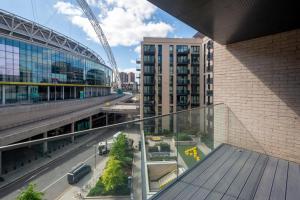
(38, 64)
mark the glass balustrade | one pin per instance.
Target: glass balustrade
(137, 158)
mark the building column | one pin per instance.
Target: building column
(91, 122)
(54, 93)
(114, 117)
(84, 92)
(75, 93)
(106, 119)
(72, 131)
(0, 162)
(45, 144)
(63, 92)
(48, 93)
(28, 92)
(3, 94)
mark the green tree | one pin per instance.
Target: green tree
(113, 175)
(119, 148)
(30, 193)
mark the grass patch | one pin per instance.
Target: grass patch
(189, 160)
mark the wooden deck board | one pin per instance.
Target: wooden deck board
(231, 173)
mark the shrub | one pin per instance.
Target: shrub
(184, 137)
(30, 193)
(113, 175)
(164, 147)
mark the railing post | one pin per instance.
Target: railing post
(45, 144)
(3, 94)
(72, 131)
(48, 93)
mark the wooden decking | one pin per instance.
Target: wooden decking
(231, 173)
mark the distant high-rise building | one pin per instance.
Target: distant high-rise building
(123, 77)
(171, 76)
(131, 77)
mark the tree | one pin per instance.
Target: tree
(119, 148)
(113, 175)
(30, 193)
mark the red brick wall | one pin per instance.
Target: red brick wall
(259, 80)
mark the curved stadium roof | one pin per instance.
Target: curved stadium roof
(24, 29)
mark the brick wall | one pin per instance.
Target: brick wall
(259, 80)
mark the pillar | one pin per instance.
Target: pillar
(114, 117)
(75, 93)
(84, 92)
(106, 119)
(91, 122)
(0, 162)
(72, 131)
(48, 93)
(3, 94)
(91, 91)
(45, 144)
(63, 92)
(28, 92)
(54, 93)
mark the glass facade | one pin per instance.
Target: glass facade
(24, 62)
(33, 73)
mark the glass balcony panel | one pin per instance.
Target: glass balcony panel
(163, 147)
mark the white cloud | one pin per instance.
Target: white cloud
(137, 49)
(125, 22)
(129, 70)
(132, 61)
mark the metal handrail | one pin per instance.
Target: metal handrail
(68, 135)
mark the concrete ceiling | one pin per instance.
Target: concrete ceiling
(230, 21)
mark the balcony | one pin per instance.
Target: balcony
(149, 72)
(183, 103)
(183, 61)
(149, 51)
(209, 93)
(183, 82)
(210, 81)
(195, 82)
(210, 56)
(182, 51)
(183, 72)
(178, 152)
(195, 93)
(149, 61)
(209, 68)
(149, 92)
(149, 83)
(195, 103)
(149, 102)
(182, 92)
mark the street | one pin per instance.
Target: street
(52, 179)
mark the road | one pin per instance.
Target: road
(51, 179)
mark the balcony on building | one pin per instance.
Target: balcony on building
(183, 82)
(182, 92)
(182, 60)
(209, 68)
(149, 50)
(182, 50)
(149, 71)
(149, 92)
(209, 93)
(209, 80)
(182, 71)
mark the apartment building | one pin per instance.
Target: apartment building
(171, 75)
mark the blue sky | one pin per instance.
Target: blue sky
(124, 22)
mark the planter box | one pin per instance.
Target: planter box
(184, 142)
